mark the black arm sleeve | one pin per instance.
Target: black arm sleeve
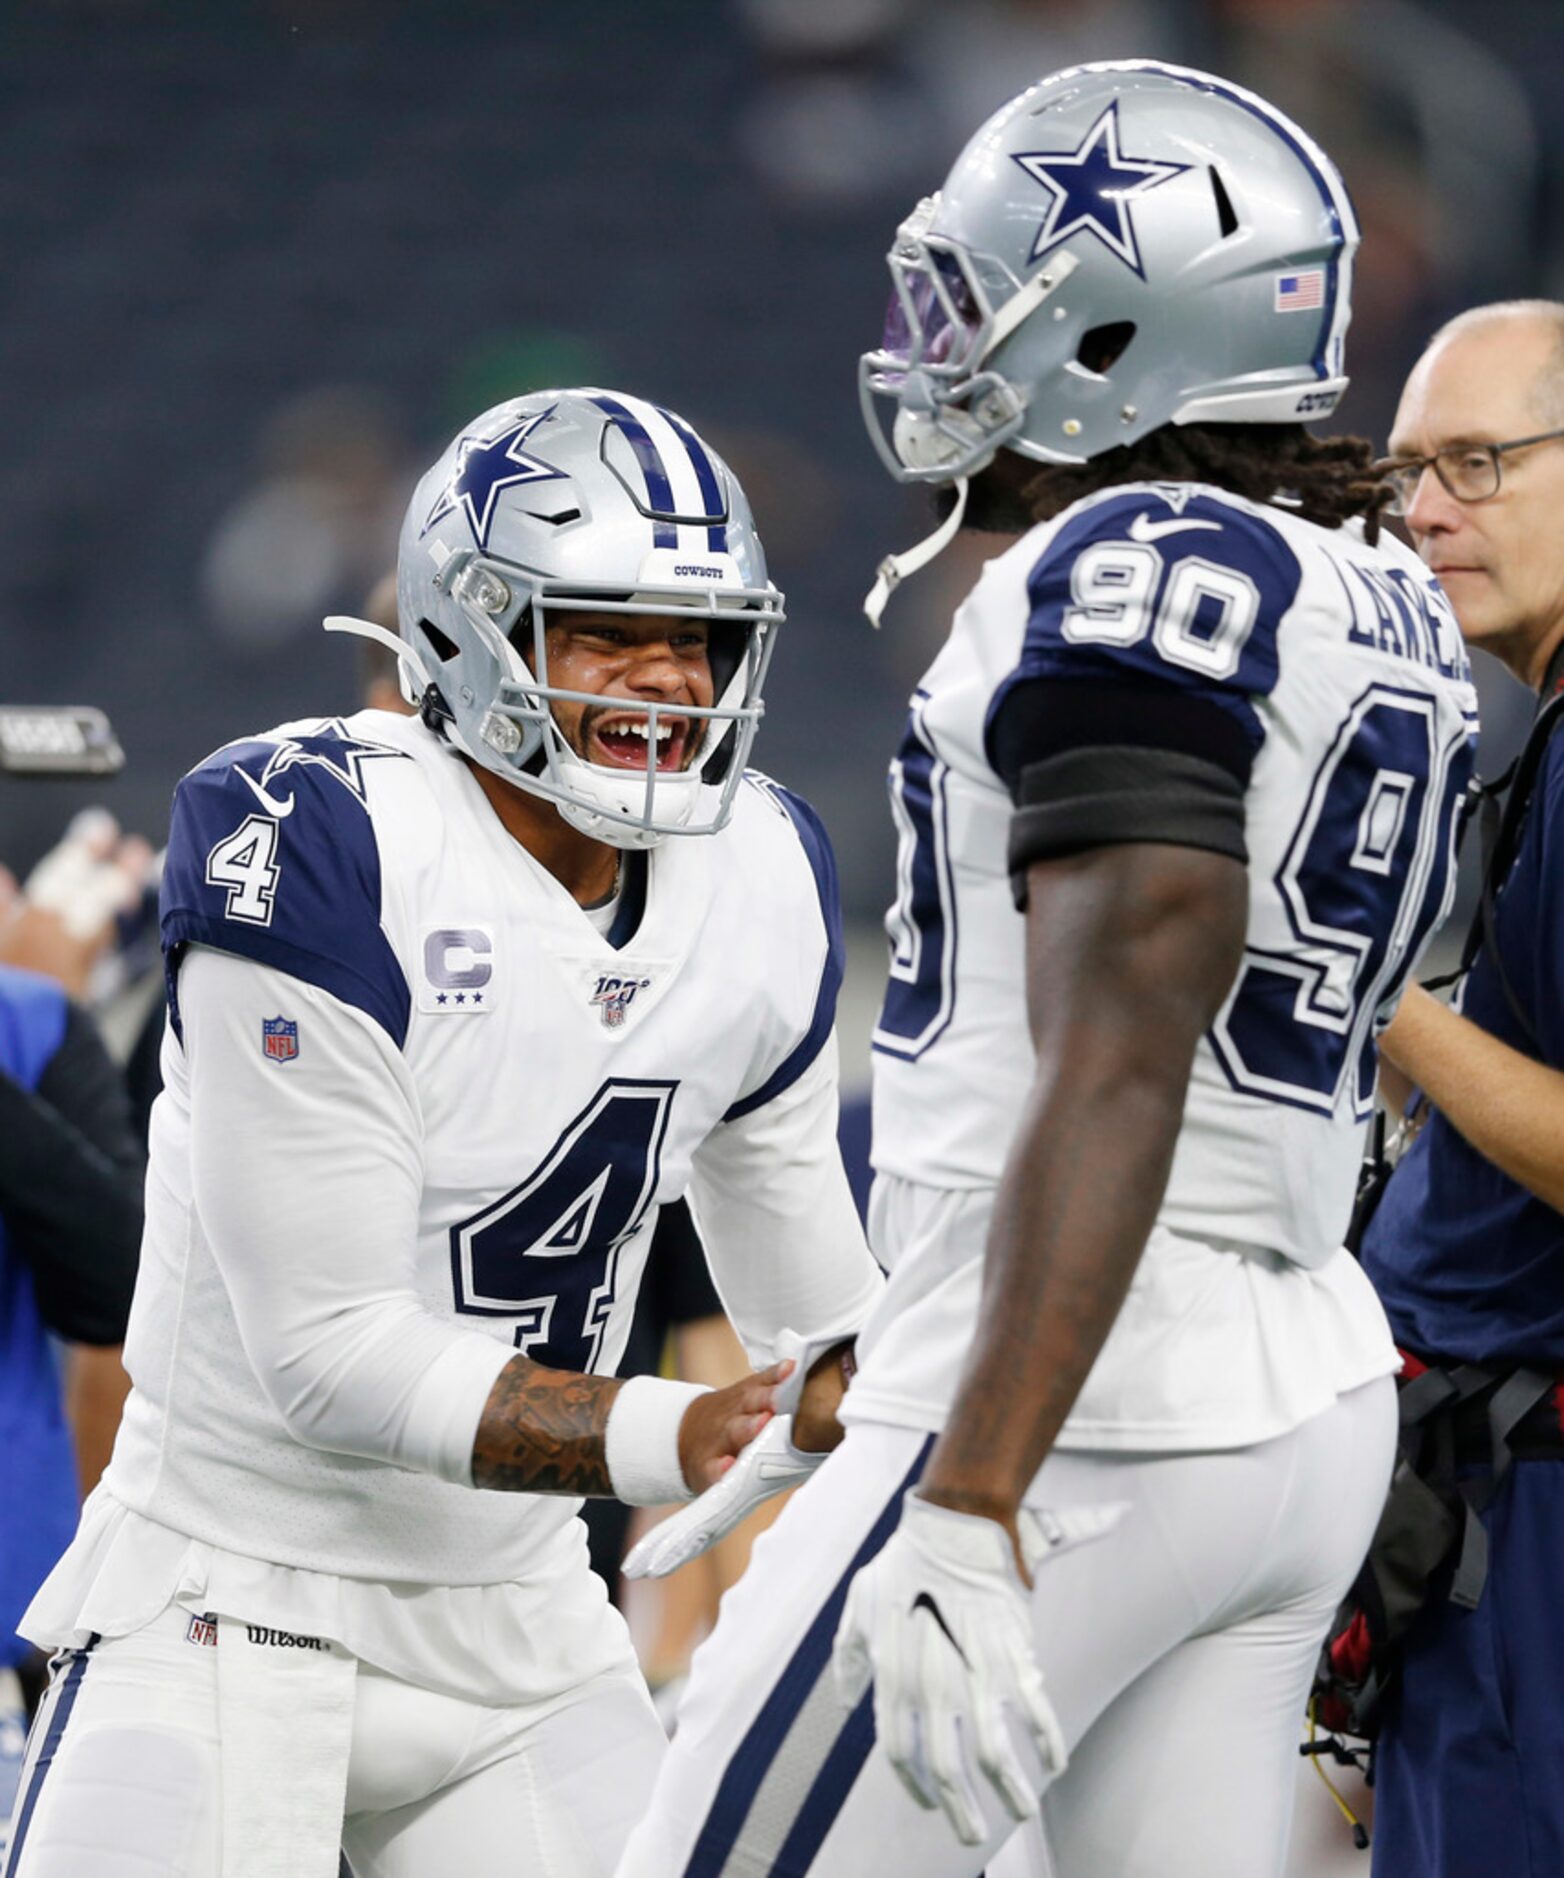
(70, 1187)
(1091, 763)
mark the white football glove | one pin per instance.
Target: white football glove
(768, 1466)
(940, 1622)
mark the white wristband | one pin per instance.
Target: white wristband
(641, 1441)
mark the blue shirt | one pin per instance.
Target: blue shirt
(37, 1462)
(1468, 1263)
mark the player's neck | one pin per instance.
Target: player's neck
(585, 868)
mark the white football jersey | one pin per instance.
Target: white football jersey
(449, 1139)
(1344, 667)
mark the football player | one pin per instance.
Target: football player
(1177, 803)
(457, 1001)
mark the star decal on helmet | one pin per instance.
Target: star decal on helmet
(1092, 187)
(485, 466)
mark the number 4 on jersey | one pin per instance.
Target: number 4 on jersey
(547, 1253)
(245, 863)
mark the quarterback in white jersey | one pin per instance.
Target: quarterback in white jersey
(449, 1020)
(1178, 803)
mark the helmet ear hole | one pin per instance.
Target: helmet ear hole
(1226, 214)
(445, 647)
(1102, 347)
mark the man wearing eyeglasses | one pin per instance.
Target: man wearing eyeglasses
(1467, 1249)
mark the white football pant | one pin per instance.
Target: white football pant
(124, 1775)
(1177, 1651)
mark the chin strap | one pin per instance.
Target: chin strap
(1019, 308)
(1026, 300)
(406, 655)
(895, 568)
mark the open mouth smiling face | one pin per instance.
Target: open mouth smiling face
(645, 672)
(623, 739)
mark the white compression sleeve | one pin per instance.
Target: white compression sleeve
(306, 1177)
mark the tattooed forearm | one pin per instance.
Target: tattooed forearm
(542, 1431)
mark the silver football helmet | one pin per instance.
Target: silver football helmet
(1123, 246)
(585, 501)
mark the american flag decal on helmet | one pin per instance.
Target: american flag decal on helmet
(279, 1039)
(1302, 292)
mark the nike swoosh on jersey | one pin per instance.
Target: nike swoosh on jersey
(1143, 528)
(267, 801)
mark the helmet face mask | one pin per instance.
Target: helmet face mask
(575, 502)
(938, 316)
(939, 329)
(1123, 246)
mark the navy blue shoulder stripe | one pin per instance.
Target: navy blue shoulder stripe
(816, 844)
(272, 856)
(389, 1007)
(1163, 585)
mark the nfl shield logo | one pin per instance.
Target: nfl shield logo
(279, 1039)
(613, 997)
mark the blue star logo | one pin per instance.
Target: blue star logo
(485, 466)
(1092, 188)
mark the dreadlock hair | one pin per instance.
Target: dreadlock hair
(1327, 480)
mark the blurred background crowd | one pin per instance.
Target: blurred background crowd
(262, 260)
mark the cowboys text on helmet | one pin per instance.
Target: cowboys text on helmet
(577, 502)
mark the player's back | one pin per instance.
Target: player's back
(1338, 668)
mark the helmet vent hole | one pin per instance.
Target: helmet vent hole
(557, 520)
(1226, 214)
(1102, 347)
(446, 648)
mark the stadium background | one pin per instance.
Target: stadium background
(261, 260)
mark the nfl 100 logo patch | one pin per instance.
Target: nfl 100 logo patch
(279, 1039)
(613, 997)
